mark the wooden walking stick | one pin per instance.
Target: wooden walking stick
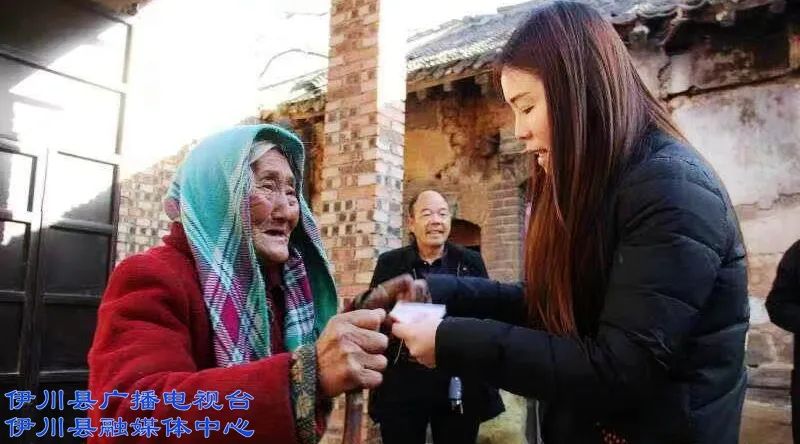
(353, 415)
(354, 399)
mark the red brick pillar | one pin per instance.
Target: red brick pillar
(362, 165)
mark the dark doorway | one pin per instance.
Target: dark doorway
(466, 234)
(62, 92)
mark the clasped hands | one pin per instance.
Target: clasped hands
(350, 348)
(419, 335)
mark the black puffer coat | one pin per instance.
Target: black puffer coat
(666, 364)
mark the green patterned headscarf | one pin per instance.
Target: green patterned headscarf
(210, 197)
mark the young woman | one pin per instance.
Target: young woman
(630, 324)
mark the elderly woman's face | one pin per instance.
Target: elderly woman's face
(274, 209)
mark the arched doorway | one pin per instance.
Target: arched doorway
(466, 234)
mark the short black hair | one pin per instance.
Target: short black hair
(412, 202)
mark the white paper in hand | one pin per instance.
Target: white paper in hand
(406, 312)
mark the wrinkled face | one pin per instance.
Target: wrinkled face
(430, 221)
(524, 92)
(274, 208)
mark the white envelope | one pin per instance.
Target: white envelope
(414, 311)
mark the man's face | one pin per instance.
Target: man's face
(430, 220)
(274, 209)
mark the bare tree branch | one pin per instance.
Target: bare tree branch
(288, 51)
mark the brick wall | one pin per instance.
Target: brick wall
(142, 221)
(362, 161)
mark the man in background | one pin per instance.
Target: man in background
(411, 395)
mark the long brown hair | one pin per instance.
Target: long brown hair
(600, 112)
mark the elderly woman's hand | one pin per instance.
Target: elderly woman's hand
(350, 352)
(400, 288)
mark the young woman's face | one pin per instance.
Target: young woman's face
(524, 92)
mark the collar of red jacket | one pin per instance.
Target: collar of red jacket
(177, 238)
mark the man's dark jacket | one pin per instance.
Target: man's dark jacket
(783, 302)
(408, 387)
(783, 305)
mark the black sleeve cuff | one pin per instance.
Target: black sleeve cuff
(466, 346)
(442, 287)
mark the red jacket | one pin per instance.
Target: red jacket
(153, 333)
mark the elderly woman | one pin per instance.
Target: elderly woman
(234, 318)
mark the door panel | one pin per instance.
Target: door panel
(48, 109)
(13, 255)
(75, 262)
(67, 37)
(67, 336)
(62, 90)
(88, 196)
(11, 313)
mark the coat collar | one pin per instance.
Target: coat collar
(177, 238)
(453, 254)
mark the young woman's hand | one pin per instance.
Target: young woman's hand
(420, 338)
